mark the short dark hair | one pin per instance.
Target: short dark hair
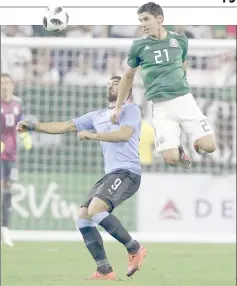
(6, 75)
(119, 78)
(151, 8)
(115, 77)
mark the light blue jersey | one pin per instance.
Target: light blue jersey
(119, 155)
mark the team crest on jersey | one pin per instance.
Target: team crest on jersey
(161, 139)
(174, 43)
(16, 110)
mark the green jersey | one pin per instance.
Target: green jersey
(161, 62)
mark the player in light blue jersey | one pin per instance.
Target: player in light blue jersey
(120, 145)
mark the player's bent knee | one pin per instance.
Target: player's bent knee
(83, 213)
(207, 143)
(210, 148)
(171, 157)
(83, 219)
(96, 206)
(171, 161)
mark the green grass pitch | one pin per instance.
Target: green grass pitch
(68, 263)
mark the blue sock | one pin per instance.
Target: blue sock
(114, 227)
(94, 244)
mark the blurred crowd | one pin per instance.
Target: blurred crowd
(192, 32)
(213, 67)
(85, 67)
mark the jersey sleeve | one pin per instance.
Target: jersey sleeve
(131, 116)
(21, 112)
(85, 122)
(133, 58)
(184, 43)
(21, 116)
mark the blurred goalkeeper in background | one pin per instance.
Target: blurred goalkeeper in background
(11, 113)
(120, 144)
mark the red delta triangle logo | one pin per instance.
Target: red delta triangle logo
(170, 211)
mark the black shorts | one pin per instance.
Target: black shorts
(115, 188)
(8, 171)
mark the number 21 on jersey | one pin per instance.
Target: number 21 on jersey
(159, 56)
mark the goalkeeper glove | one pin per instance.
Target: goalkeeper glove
(2, 147)
(27, 125)
(27, 140)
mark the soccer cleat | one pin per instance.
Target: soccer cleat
(198, 150)
(135, 261)
(100, 276)
(6, 238)
(184, 161)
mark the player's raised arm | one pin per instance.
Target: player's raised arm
(84, 122)
(46, 127)
(124, 86)
(126, 81)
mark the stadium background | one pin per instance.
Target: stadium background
(61, 83)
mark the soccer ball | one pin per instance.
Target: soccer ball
(55, 19)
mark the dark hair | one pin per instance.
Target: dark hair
(151, 8)
(119, 78)
(115, 77)
(6, 75)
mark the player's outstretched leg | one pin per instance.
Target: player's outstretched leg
(94, 244)
(98, 211)
(6, 214)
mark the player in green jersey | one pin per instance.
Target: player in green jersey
(162, 56)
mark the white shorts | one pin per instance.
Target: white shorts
(169, 117)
